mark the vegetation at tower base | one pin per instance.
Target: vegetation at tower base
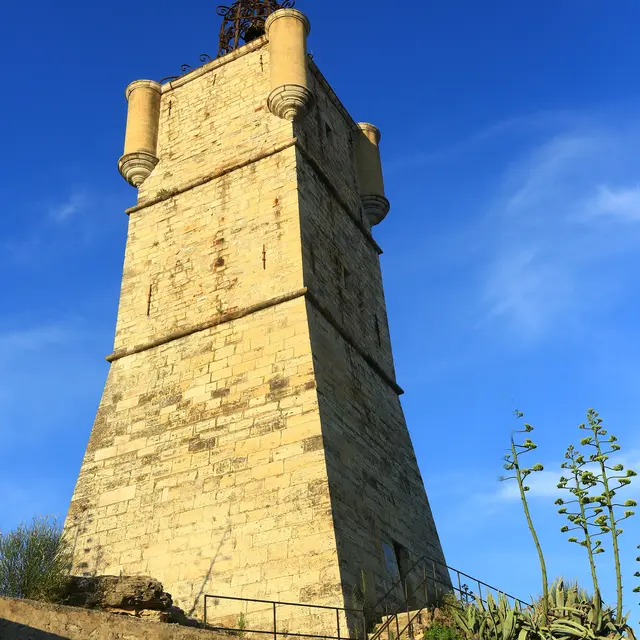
(565, 611)
(34, 561)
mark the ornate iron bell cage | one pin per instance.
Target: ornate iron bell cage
(244, 20)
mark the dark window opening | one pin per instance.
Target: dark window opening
(377, 326)
(346, 277)
(328, 132)
(402, 558)
(312, 259)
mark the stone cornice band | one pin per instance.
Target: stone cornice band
(236, 314)
(203, 326)
(256, 158)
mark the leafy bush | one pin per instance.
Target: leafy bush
(440, 631)
(34, 561)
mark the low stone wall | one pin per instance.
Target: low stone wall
(28, 620)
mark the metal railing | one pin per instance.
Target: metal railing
(420, 587)
(414, 582)
(273, 606)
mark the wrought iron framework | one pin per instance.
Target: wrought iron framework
(244, 21)
(393, 617)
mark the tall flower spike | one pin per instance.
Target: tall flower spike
(607, 519)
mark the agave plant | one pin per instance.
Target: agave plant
(493, 620)
(573, 614)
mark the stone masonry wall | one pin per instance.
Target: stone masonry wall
(377, 492)
(341, 264)
(250, 440)
(205, 467)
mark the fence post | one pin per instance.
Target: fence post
(406, 597)
(275, 632)
(204, 622)
(338, 621)
(426, 586)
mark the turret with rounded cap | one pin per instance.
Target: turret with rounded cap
(141, 138)
(290, 97)
(369, 171)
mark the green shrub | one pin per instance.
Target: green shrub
(440, 631)
(34, 561)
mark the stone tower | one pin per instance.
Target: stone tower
(250, 439)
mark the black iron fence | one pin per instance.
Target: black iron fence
(273, 606)
(423, 585)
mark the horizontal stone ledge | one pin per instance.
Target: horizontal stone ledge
(246, 311)
(203, 326)
(326, 181)
(170, 193)
(326, 314)
(219, 173)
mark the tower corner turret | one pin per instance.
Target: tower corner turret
(141, 137)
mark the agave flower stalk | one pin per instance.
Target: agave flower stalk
(582, 519)
(608, 521)
(637, 574)
(513, 463)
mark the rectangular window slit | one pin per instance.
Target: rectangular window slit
(377, 326)
(346, 277)
(328, 132)
(149, 300)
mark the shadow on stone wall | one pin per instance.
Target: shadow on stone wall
(14, 631)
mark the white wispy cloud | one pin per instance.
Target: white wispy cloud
(516, 125)
(75, 204)
(621, 202)
(16, 342)
(551, 248)
(72, 222)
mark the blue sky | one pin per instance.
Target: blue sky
(510, 144)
